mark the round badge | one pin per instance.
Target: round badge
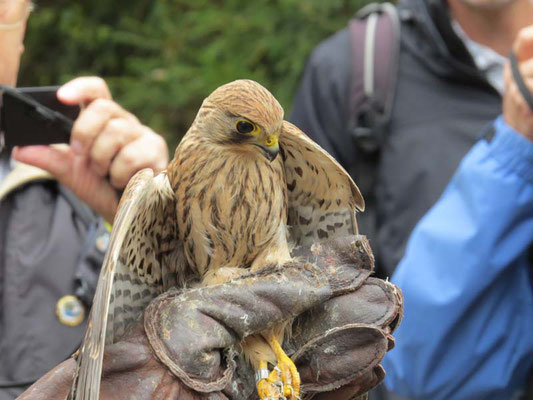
(102, 242)
(70, 311)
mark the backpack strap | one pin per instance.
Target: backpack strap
(375, 45)
(375, 39)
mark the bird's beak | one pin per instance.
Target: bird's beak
(270, 147)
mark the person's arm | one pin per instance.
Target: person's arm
(466, 279)
(467, 271)
(108, 146)
(320, 107)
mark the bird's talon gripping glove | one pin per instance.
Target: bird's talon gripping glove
(188, 346)
(348, 315)
(193, 332)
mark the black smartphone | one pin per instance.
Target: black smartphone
(30, 116)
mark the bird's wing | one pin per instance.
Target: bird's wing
(142, 260)
(322, 198)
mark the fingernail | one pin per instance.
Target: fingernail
(76, 146)
(67, 93)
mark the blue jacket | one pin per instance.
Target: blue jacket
(466, 279)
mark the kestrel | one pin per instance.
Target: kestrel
(243, 189)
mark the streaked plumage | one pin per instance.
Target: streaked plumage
(224, 206)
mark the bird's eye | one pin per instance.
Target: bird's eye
(245, 127)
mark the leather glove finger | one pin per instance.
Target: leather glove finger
(343, 340)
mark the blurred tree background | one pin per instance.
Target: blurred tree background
(161, 58)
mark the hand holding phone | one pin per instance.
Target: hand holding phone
(108, 145)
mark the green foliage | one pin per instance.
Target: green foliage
(162, 57)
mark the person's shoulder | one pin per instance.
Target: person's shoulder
(22, 176)
(332, 51)
(32, 185)
(330, 63)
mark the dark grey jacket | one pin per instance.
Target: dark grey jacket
(47, 251)
(442, 103)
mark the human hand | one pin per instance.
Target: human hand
(130, 371)
(516, 111)
(108, 146)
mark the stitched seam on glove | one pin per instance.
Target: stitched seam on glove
(381, 320)
(375, 360)
(159, 350)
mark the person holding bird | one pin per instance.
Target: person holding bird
(243, 252)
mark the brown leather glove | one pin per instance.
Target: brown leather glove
(339, 343)
(130, 371)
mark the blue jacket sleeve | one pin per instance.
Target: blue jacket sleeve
(466, 279)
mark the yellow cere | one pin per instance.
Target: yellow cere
(271, 141)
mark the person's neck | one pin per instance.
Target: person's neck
(494, 27)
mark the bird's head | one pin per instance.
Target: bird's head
(242, 114)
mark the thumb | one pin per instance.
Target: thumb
(53, 159)
(83, 91)
(523, 44)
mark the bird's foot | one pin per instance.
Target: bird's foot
(283, 383)
(269, 384)
(289, 373)
(289, 376)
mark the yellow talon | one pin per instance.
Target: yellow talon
(283, 382)
(290, 375)
(268, 383)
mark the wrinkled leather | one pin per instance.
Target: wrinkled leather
(130, 371)
(342, 341)
(188, 328)
(342, 329)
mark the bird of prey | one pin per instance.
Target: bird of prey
(243, 189)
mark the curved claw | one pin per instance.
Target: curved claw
(283, 383)
(289, 373)
(269, 385)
